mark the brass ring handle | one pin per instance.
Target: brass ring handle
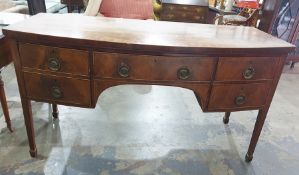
(56, 92)
(123, 71)
(183, 73)
(240, 100)
(54, 64)
(248, 73)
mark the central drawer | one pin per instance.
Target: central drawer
(58, 89)
(158, 68)
(61, 60)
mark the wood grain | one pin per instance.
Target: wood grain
(75, 62)
(75, 92)
(223, 96)
(232, 68)
(146, 36)
(159, 68)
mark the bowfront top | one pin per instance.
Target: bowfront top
(139, 35)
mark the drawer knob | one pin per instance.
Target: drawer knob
(56, 92)
(248, 73)
(240, 100)
(183, 73)
(54, 64)
(123, 71)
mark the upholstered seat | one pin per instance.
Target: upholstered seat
(247, 17)
(136, 9)
(234, 18)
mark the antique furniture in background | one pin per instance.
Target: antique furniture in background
(247, 17)
(73, 4)
(10, 6)
(214, 11)
(130, 9)
(193, 11)
(285, 25)
(36, 6)
(268, 14)
(294, 56)
(67, 65)
(6, 58)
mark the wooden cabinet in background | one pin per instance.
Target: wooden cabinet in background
(193, 11)
(281, 19)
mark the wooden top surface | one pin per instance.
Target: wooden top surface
(145, 35)
(187, 2)
(10, 18)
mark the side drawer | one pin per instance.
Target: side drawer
(55, 59)
(234, 96)
(58, 89)
(159, 68)
(245, 68)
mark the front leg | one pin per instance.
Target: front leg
(256, 133)
(55, 111)
(226, 117)
(26, 104)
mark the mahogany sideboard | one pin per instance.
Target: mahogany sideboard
(71, 59)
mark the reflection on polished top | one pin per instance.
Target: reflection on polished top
(167, 36)
(10, 18)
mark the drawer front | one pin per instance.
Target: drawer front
(58, 89)
(112, 65)
(55, 59)
(184, 68)
(249, 68)
(143, 67)
(234, 96)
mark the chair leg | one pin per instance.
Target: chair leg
(226, 117)
(4, 105)
(55, 111)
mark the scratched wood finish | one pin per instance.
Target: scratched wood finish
(216, 59)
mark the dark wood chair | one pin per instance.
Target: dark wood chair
(36, 6)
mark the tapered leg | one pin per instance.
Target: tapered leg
(4, 105)
(226, 117)
(292, 65)
(55, 111)
(256, 133)
(26, 104)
